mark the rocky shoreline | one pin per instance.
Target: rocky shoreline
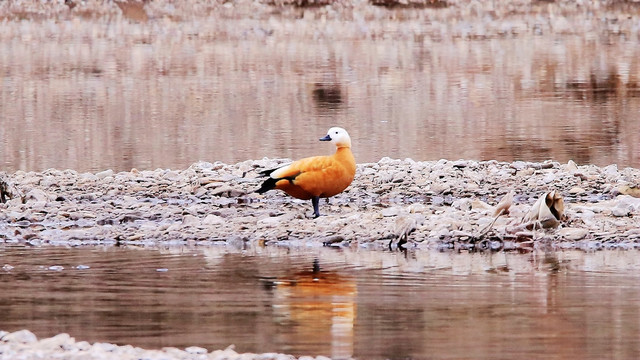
(432, 204)
(24, 345)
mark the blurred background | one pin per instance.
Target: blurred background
(95, 85)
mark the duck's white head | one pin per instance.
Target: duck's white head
(338, 136)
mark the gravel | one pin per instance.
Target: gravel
(432, 204)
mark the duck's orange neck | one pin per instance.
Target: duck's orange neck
(345, 156)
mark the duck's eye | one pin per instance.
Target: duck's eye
(336, 133)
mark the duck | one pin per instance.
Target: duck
(315, 177)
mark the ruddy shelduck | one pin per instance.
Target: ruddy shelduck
(316, 177)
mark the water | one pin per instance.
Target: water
(367, 304)
(93, 95)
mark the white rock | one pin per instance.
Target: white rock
(83, 346)
(464, 204)
(56, 342)
(390, 211)
(620, 211)
(550, 177)
(573, 233)
(195, 350)
(190, 220)
(104, 174)
(576, 190)
(37, 195)
(571, 166)
(104, 347)
(271, 221)
(611, 170)
(21, 336)
(213, 220)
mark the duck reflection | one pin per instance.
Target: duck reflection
(317, 306)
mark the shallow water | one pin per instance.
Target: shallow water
(92, 95)
(367, 304)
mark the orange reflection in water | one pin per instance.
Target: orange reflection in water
(319, 305)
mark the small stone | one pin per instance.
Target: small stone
(56, 268)
(550, 177)
(226, 190)
(83, 346)
(213, 220)
(104, 174)
(271, 221)
(390, 211)
(629, 190)
(611, 170)
(460, 164)
(58, 341)
(576, 190)
(573, 233)
(190, 220)
(37, 195)
(620, 211)
(196, 350)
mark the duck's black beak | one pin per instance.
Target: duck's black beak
(326, 138)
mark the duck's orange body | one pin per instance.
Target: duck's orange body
(316, 177)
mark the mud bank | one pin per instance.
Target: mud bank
(435, 205)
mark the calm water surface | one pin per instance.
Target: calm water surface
(339, 303)
(91, 95)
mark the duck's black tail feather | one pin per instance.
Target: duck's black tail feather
(267, 185)
(270, 183)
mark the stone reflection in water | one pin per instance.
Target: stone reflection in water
(318, 307)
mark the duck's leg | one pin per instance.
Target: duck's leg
(316, 201)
